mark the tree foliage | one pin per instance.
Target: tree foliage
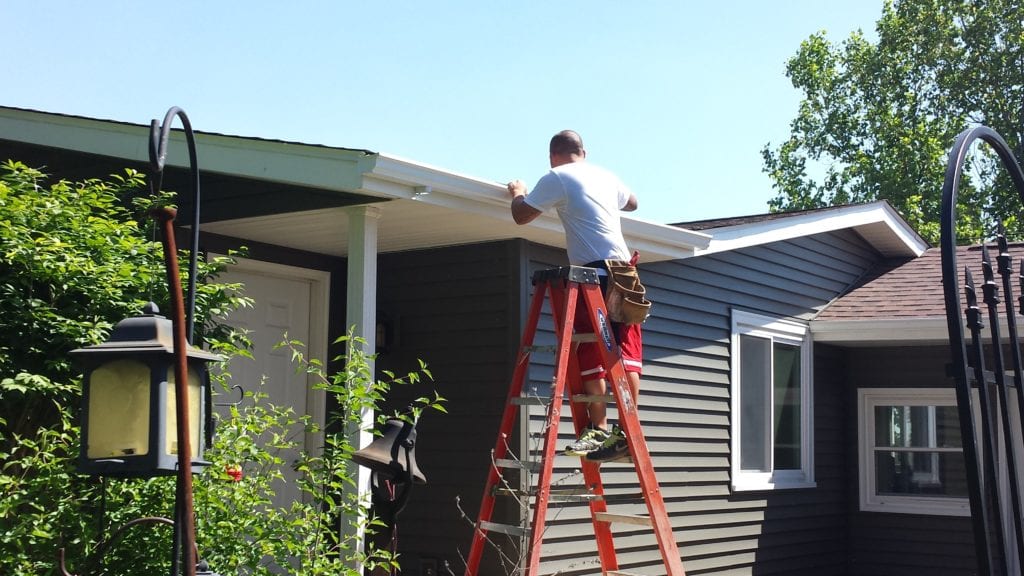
(74, 260)
(878, 118)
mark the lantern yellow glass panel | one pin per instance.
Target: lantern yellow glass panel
(194, 399)
(120, 391)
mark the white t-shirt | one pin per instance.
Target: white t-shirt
(588, 199)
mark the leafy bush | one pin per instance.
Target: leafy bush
(75, 259)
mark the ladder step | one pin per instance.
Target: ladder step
(618, 573)
(553, 348)
(517, 464)
(572, 495)
(503, 528)
(539, 348)
(623, 519)
(578, 398)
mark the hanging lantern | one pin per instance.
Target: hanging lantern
(128, 415)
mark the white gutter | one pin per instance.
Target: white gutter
(406, 179)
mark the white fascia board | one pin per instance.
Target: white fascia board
(907, 330)
(908, 242)
(881, 331)
(105, 138)
(404, 179)
(319, 167)
(300, 164)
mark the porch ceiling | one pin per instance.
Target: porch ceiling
(403, 225)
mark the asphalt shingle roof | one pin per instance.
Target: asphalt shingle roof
(912, 288)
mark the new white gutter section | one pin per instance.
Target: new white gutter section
(400, 178)
(877, 222)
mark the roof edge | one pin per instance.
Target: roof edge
(311, 165)
(877, 222)
(408, 179)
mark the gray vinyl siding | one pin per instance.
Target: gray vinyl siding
(454, 309)
(685, 412)
(899, 544)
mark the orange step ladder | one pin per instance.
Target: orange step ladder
(566, 286)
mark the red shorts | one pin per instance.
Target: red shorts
(628, 336)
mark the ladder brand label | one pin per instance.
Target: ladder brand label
(606, 333)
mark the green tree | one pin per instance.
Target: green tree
(878, 118)
(74, 260)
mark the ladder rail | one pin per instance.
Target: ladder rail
(554, 416)
(562, 299)
(508, 418)
(629, 420)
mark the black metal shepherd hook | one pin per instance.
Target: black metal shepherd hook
(158, 137)
(990, 537)
(183, 320)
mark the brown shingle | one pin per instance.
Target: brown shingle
(912, 288)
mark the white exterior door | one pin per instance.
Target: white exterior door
(286, 301)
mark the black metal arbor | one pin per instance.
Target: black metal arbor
(992, 474)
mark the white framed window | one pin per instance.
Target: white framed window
(772, 403)
(911, 456)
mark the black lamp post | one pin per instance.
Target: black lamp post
(146, 394)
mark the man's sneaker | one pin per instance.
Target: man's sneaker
(591, 439)
(613, 448)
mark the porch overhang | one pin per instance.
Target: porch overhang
(295, 195)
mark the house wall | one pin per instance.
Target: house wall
(898, 544)
(455, 309)
(685, 412)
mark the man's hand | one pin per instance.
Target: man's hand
(516, 188)
(522, 212)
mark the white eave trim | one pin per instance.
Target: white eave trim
(931, 330)
(877, 222)
(320, 167)
(405, 179)
(881, 331)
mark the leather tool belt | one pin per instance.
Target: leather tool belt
(625, 297)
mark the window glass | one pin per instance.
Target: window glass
(912, 451)
(787, 402)
(755, 365)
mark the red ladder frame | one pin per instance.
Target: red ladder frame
(567, 287)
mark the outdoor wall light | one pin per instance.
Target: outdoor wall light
(128, 417)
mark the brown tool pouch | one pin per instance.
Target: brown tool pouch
(625, 297)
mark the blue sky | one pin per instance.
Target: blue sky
(678, 97)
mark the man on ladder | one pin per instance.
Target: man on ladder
(588, 200)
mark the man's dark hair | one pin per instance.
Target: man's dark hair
(566, 142)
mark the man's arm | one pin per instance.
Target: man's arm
(522, 212)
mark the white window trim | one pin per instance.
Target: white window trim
(870, 500)
(785, 331)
